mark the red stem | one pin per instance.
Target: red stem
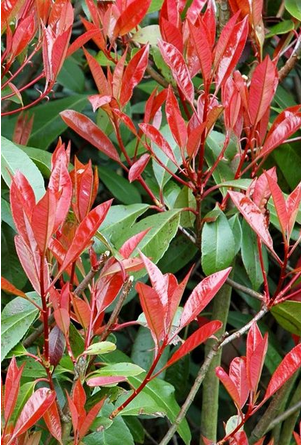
(265, 280)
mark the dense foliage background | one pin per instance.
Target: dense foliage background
(168, 109)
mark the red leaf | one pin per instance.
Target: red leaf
(253, 216)
(209, 21)
(175, 121)
(256, 352)
(202, 47)
(280, 205)
(107, 290)
(130, 245)
(82, 311)
(24, 33)
(228, 384)
(98, 75)
(62, 319)
(174, 59)
(10, 288)
(133, 74)
(84, 428)
(192, 342)
(74, 413)
(23, 129)
(57, 342)
(9, 9)
(194, 139)
(126, 120)
(84, 189)
(83, 39)
(202, 295)
(106, 380)
(229, 48)
(261, 192)
(153, 310)
(53, 422)
(43, 219)
(79, 398)
(153, 105)
(289, 365)
(118, 75)
(158, 280)
(171, 34)
(89, 131)
(262, 89)
(98, 101)
(292, 206)
(131, 16)
(156, 137)
(12, 386)
(138, 167)
(175, 294)
(238, 375)
(85, 232)
(33, 410)
(285, 124)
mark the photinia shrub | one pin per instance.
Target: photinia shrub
(151, 222)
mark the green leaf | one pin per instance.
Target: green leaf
(120, 188)
(250, 256)
(163, 228)
(218, 244)
(76, 341)
(41, 158)
(235, 225)
(11, 268)
(120, 218)
(71, 76)
(281, 28)
(155, 6)
(143, 403)
(143, 351)
(102, 347)
(149, 34)
(32, 368)
(284, 99)
(6, 215)
(17, 317)
(116, 434)
(288, 315)
(223, 172)
(25, 392)
(17, 351)
(14, 159)
(48, 124)
(180, 253)
(119, 369)
(294, 8)
(186, 199)
(241, 184)
(163, 394)
(136, 429)
(285, 156)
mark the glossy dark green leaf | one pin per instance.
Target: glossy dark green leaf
(281, 28)
(10, 267)
(179, 254)
(294, 8)
(71, 76)
(119, 186)
(288, 315)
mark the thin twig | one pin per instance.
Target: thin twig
(291, 62)
(203, 371)
(284, 415)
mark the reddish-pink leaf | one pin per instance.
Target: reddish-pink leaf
(24, 33)
(62, 319)
(33, 410)
(53, 422)
(131, 16)
(82, 311)
(74, 413)
(255, 363)
(130, 245)
(43, 219)
(153, 310)
(171, 34)
(107, 290)
(253, 216)
(158, 280)
(126, 120)
(23, 129)
(153, 105)
(175, 121)
(229, 48)
(289, 365)
(156, 137)
(91, 132)
(118, 75)
(84, 190)
(10, 288)
(194, 139)
(175, 293)
(83, 39)
(261, 192)
(9, 9)
(59, 51)
(285, 124)
(238, 375)
(195, 10)
(105, 380)
(292, 206)
(138, 167)
(201, 44)
(192, 342)
(57, 341)
(202, 295)
(22, 200)
(228, 384)
(85, 426)
(128, 264)
(79, 398)
(262, 89)
(98, 75)
(279, 203)
(85, 232)
(174, 59)
(12, 386)
(210, 22)
(98, 101)
(133, 74)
